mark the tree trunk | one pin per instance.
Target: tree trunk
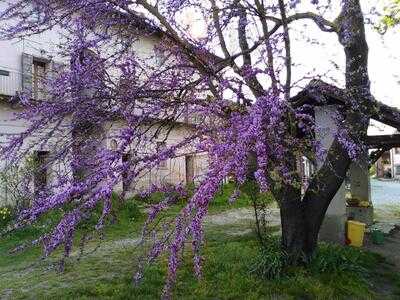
(293, 229)
(292, 215)
(302, 217)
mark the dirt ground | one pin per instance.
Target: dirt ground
(390, 249)
(385, 281)
(387, 273)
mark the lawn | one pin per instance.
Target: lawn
(234, 268)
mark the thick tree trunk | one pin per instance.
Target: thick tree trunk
(302, 217)
(293, 229)
(292, 215)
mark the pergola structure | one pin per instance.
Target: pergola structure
(325, 100)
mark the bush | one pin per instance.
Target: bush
(329, 259)
(126, 209)
(129, 209)
(336, 259)
(372, 170)
(6, 216)
(270, 263)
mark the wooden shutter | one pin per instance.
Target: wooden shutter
(27, 63)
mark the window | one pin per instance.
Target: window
(160, 147)
(40, 172)
(114, 145)
(4, 73)
(38, 77)
(397, 150)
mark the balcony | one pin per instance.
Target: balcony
(10, 82)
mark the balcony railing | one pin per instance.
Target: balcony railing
(10, 82)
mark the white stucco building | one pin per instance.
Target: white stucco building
(395, 162)
(25, 61)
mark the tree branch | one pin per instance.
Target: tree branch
(288, 57)
(271, 70)
(250, 78)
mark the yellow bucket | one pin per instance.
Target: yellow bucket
(355, 233)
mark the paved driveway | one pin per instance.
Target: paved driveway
(385, 192)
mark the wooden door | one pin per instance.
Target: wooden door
(189, 160)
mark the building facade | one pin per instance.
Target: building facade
(388, 165)
(23, 65)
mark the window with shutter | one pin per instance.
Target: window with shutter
(34, 73)
(27, 62)
(38, 79)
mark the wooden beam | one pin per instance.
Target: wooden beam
(383, 141)
(318, 93)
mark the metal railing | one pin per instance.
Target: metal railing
(10, 82)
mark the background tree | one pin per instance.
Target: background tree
(236, 78)
(392, 14)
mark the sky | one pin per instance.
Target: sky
(384, 54)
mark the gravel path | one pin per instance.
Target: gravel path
(385, 192)
(241, 215)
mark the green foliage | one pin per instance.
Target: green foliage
(392, 15)
(6, 216)
(125, 209)
(372, 170)
(235, 267)
(128, 209)
(270, 263)
(221, 199)
(227, 274)
(338, 259)
(13, 180)
(329, 259)
(157, 197)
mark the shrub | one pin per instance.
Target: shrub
(126, 209)
(270, 262)
(336, 259)
(129, 209)
(16, 180)
(6, 216)
(329, 259)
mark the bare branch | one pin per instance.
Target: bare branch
(288, 58)
(264, 24)
(251, 80)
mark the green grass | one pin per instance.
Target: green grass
(230, 268)
(227, 275)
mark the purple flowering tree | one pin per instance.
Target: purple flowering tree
(232, 84)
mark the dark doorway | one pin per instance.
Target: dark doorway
(189, 161)
(40, 172)
(126, 157)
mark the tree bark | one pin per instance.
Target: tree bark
(302, 217)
